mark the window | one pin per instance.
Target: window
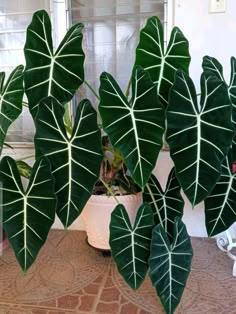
(110, 37)
(15, 16)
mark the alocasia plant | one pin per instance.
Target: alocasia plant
(69, 153)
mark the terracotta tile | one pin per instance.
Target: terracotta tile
(143, 312)
(99, 279)
(109, 282)
(122, 299)
(92, 289)
(4, 308)
(71, 277)
(68, 302)
(39, 311)
(79, 292)
(56, 312)
(108, 308)
(110, 294)
(19, 310)
(129, 308)
(51, 303)
(86, 303)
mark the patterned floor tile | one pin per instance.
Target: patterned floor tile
(71, 277)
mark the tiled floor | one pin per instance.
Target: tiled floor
(71, 277)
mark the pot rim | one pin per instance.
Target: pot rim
(109, 199)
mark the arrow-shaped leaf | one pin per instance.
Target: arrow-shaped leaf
(130, 245)
(166, 205)
(135, 128)
(220, 205)
(170, 264)
(212, 65)
(11, 95)
(76, 160)
(27, 216)
(47, 73)
(199, 135)
(160, 63)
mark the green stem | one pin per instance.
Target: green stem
(128, 88)
(92, 90)
(109, 190)
(154, 202)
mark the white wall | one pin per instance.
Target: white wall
(208, 34)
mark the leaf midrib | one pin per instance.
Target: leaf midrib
(229, 185)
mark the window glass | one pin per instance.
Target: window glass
(15, 16)
(111, 35)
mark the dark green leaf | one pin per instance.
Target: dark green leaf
(130, 245)
(135, 129)
(11, 95)
(47, 73)
(27, 216)
(170, 264)
(199, 135)
(75, 160)
(211, 65)
(159, 62)
(165, 205)
(220, 205)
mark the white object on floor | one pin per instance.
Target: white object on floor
(226, 242)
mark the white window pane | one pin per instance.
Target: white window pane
(15, 16)
(111, 35)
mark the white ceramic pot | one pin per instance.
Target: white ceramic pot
(97, 216)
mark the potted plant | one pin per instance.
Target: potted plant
(113, 187)
(69, 159)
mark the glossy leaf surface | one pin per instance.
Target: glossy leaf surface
(220, 205)
(162, 63)
(27, 215)
(199, 134)
(130, 245)
(75, 160)
(170, 264)
(47, 73)
(166, 205)
(11, 95)
(134, 127)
